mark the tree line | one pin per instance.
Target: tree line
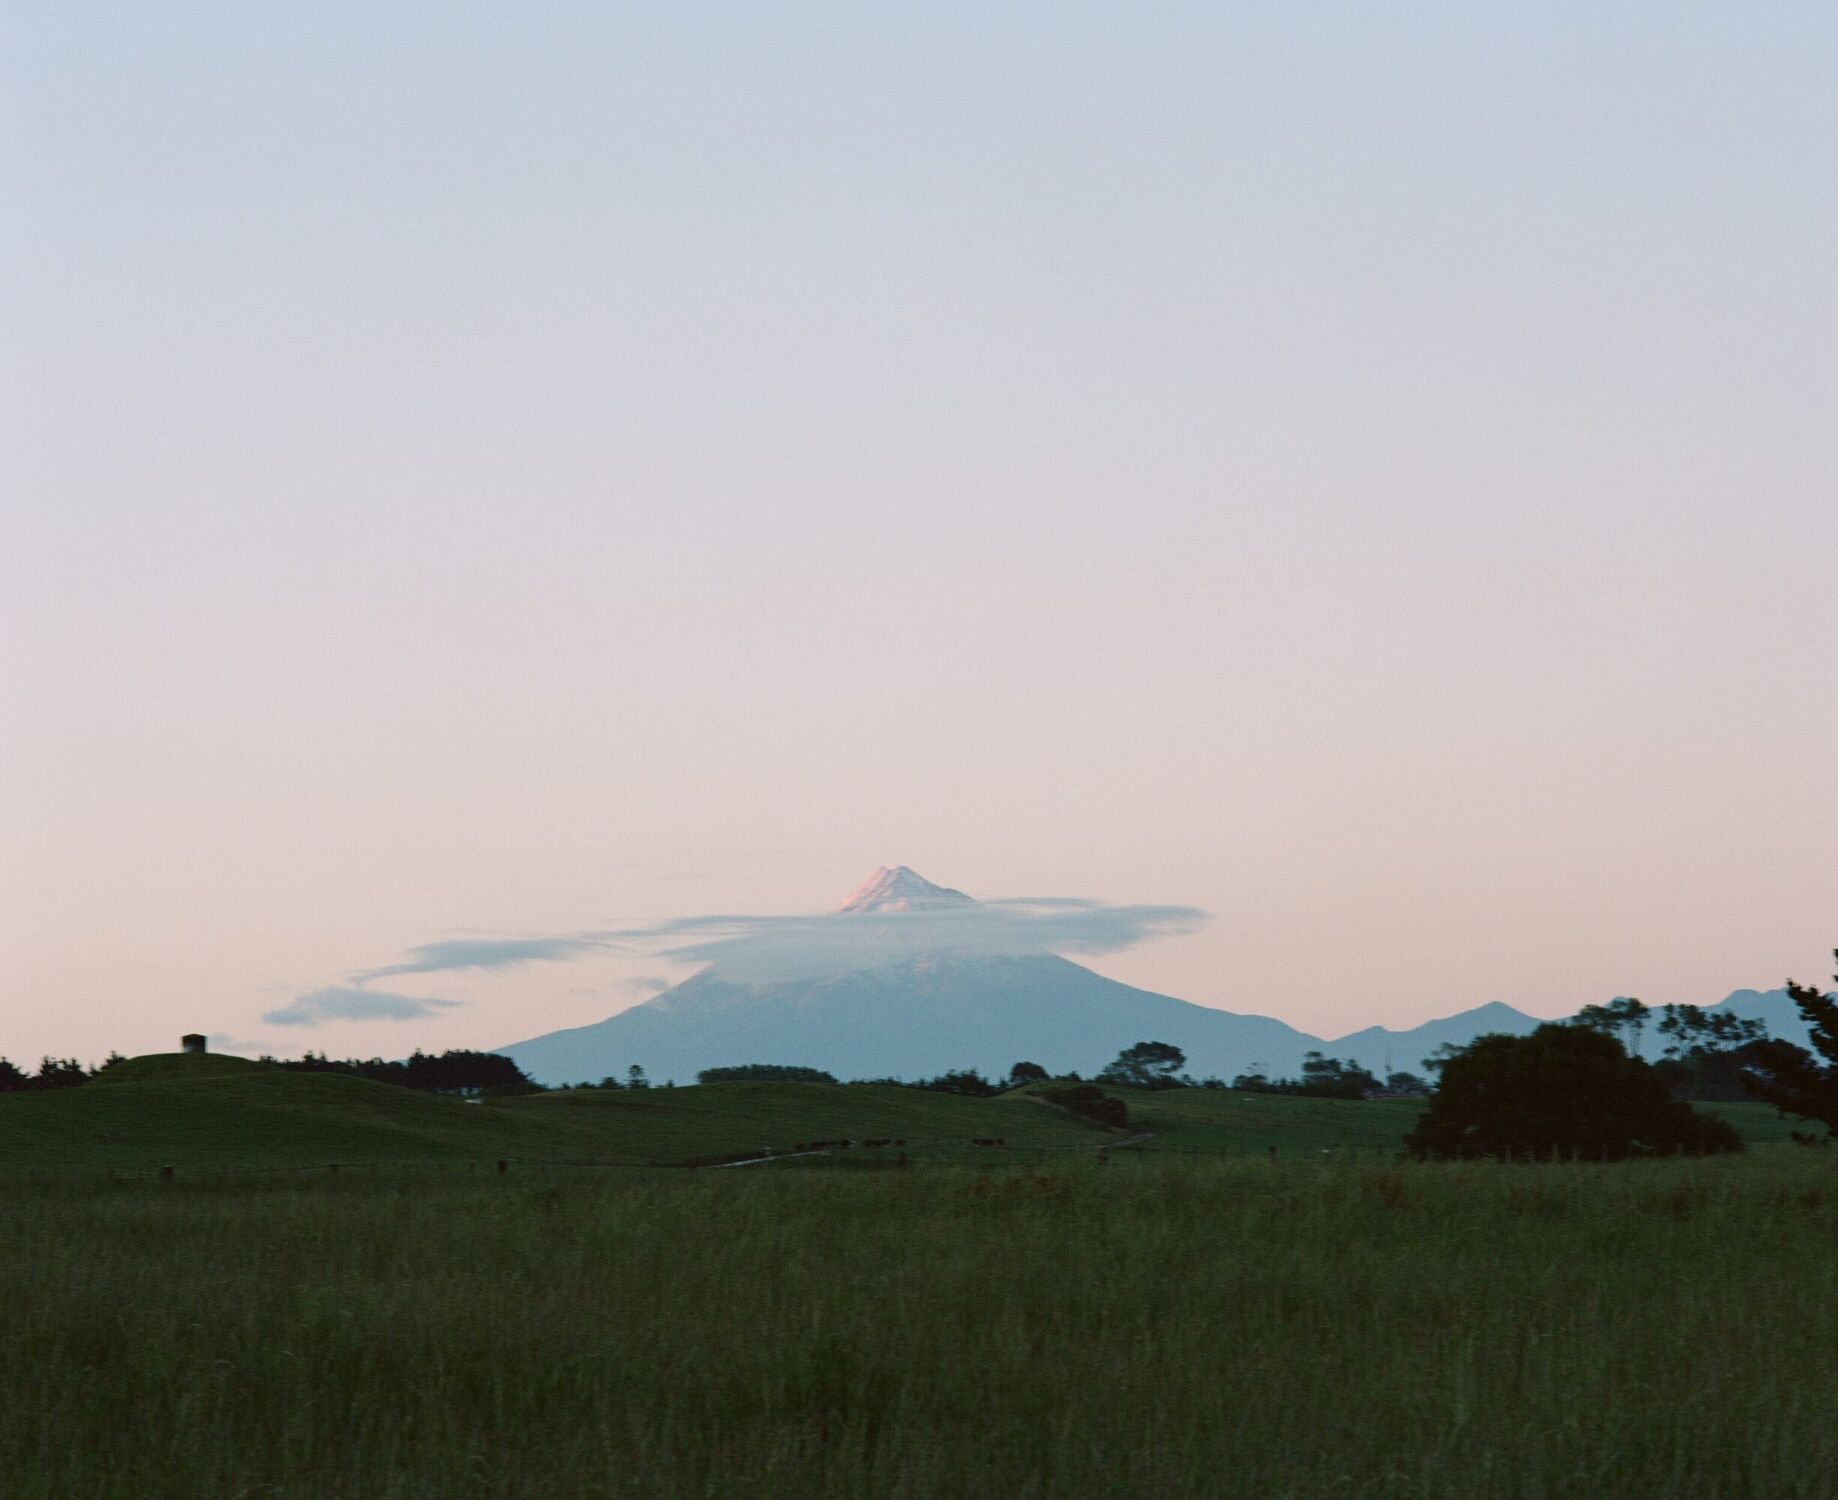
(1574, 1088)
(53, 1073)
(455, 1071)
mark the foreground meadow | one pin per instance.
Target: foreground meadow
(1145, 1327)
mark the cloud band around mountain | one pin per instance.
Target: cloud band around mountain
(1020, 927)
(768, 947)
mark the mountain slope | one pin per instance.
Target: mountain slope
(910, 1019)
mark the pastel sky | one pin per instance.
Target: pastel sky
(1366, 472)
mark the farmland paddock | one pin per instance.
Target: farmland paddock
(1187, 1327)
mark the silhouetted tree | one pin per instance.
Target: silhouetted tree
(13, 1078)
(1026, 1072)
(1791, 1078)
(1624, 1017)
(1147, 1065)
(1445, 1053)
(1689, 1028)
(1330, 1078)
(60, 1073)
(1562, 1092)
(1708, 1054)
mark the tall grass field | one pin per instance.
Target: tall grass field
(1068, 1328)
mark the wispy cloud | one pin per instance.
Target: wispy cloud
(488, 953)
(347, 1002)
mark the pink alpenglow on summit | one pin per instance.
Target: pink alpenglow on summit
(901, 889)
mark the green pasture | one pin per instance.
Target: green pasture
(223, 1112)
(1225, 1121)
(1171, 1326)
(190, 1112)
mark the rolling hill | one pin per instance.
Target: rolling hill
(220, 1112)
(214, 1111)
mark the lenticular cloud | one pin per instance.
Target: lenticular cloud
(894, 915)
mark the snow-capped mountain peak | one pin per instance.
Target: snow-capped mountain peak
(901, 889)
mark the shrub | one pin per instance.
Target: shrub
(1563, 1092)
(765, 1073)
(965, 1081)
(1090, 1102)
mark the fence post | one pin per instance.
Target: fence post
(503, 1166)
(1273, 1156)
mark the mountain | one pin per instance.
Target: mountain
(909, 1014)
(918, 1013)
(910, 1018)
(1382, 1050)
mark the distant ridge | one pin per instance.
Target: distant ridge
(1381, 1049)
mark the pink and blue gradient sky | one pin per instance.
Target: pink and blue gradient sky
(1370, 473)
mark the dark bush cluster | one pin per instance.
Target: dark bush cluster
(765, 1073)
(965, 1081)
(1564, 1092)
(451, 1072)
(1090, 1102)
(1322, 1078)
